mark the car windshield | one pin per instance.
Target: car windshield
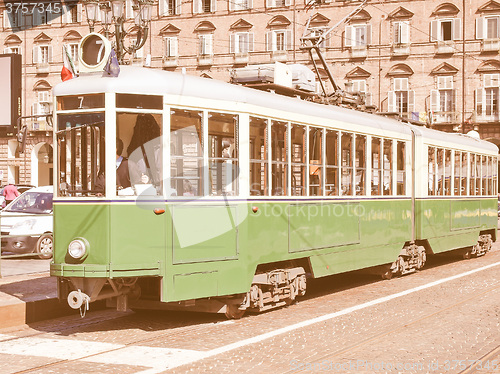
(32, 202)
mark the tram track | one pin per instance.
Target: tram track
(471, 369)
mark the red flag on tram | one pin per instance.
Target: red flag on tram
(68, 69)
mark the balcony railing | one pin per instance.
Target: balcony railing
(170, 61)
(400, 49)
(445, 117)
(445, 47)
(490, 45)
(359, 51)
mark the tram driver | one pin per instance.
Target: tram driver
(122, 172)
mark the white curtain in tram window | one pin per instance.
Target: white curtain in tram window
(401, 32)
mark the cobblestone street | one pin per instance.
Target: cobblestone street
(444, 319)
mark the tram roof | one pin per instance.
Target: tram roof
(147, 81)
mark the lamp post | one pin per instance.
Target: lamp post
(112, 12)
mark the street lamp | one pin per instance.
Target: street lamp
(112, 13)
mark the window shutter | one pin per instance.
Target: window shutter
(480, 24)
(208, 44)
(368, 98)
(178, 5)
(232, 43)
(405, 32)
(457, 29)
(397, 32)
(368, 31)
(269, 3)
(411, 101)
(196, 6)
(348, 36)
(162, 7)
(250, 42)
(391, 100)
(66, 16)
(445, 83)
(49, 57)
(36, 55)
(453, 99)
(174, 45)
(435, 101)
(129, 12)
(289, 40)
(79, 8)
(249, 4)
(6, 20)
(434, 30)
(35, 109)
(37, 18)
(269, 40)
(7, 50)
(232, 5)
(288, 2)
(480, 93)
(400, 84)
(213, 5)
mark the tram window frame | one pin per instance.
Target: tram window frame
(259, 166)
(75, 102)
(376, 166)
(495, 174)
(490, 175)
(279, 158)
(472, 161)
(142, 137)
(84, 167)
(484, 175)
(315, 175)
(135, 101)
(223, 158)
(431, 171)
(401, 168)
(440, 171)
(447, 172)
(332, 162)
(360, 164)
(190, 183)
(347, 166)
(387, 167)
(457, 173)
(464, 174)
(298, 154)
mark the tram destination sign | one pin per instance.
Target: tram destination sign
(10, 93)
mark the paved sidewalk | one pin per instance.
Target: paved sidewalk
(28, 298)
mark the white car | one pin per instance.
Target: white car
(28, 222)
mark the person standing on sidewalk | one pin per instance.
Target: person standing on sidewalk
(10, 192)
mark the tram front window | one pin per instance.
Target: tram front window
(81, 150)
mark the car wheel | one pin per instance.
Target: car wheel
(44, 246)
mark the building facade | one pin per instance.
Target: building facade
(436, 62)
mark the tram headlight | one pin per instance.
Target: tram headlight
(78, 248)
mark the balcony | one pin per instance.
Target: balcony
(445, 47)
(241, 58)
(360, 51)
(400, 49)
(42, 68)
(280, 56)
(445, 117)
(205, 60)
(170, 61)
(490, 45)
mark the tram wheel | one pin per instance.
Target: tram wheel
(233, 311)
(44, 246)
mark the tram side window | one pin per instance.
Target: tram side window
(401, 177)
(346, 154)
(463, 175)
(315, 161)
(447, 172)
(279, 161)
(376, 167)
(473, 175)
(331, 163)
(457, 174)
(186, 153)
(484, 170)
(360, 165)
(298, 156)
(387, 167)
(223, 153)
(440, 171)
(142, 139)
(494, 172)
(81, 150)
(432, 171)
(258, 157)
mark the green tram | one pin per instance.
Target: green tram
(237, 196)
